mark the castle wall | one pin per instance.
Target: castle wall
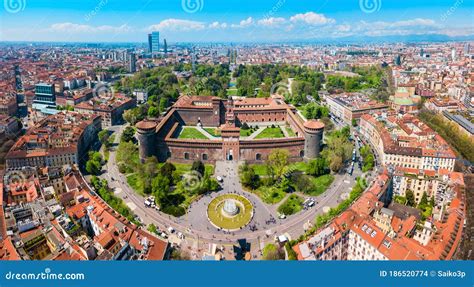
(190, 117)
(187, 151)
(255, 116)
(250, 149)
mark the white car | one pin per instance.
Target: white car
(219, 179)
(171, 229)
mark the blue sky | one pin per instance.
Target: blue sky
(230, 20)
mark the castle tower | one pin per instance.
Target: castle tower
(146, 133)
(313, 135)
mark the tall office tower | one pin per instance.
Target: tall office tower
(398, 60)
(155, 42)
(466, 49)
(149, 44)
(132, 63)
(165, 47)
(453, 55)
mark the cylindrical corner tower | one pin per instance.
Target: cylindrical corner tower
(313, 135)
(146, 133)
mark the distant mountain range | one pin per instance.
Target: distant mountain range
(341, 40)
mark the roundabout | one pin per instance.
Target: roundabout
(230, 212)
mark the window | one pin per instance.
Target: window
(302, 153)
(186, 155)
(258, 156)
(204, 156)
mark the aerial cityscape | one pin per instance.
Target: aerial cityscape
(303, 131)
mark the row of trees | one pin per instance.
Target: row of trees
(323, 219)
(104, 191)
(450, 132)
(338, 148)
(368, 159)
(94, 163)
(315, 111)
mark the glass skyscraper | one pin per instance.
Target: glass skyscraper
(44, 94)
(154, 42)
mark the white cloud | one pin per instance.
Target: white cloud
(244, 23)
(415, 26)
(343, 28)
(217, 25)
(415, 22)
(80, 28)
(177, 25)
(312, 18)
(271, 22)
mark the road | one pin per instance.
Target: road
(194, 224)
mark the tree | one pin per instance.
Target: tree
(338, 148)
(272, 252)
(178, 254)
(147, 172)
(336, 163)
(249, 178)
(167, 169)
(199, 167)
(94, 163)
(318, 167)
(153, 112)
(163, 104)
(128, 134)
(104, 137)
(93, 167)
(410, 196)
(354, 122)
(423, 200)
(152, 228)
(278, 160)
(160, 186)
(302, 182)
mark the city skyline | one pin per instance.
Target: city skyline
(211, 21)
